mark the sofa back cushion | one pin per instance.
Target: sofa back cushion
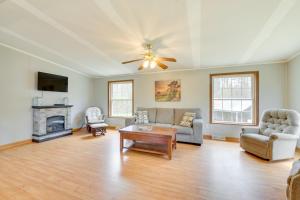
(165, 115)
(151, 113)
(179, 112)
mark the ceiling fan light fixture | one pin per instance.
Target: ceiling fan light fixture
(146, 64)
(153, 64)
(150, 60)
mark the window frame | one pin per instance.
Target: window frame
(109, 97)
(255, 113)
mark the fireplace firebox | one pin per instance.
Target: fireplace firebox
(55, 124)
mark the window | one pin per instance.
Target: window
(234, 98)
(120, 98)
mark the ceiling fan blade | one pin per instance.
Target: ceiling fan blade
(130, 61)
(167, 59)
(161, 65)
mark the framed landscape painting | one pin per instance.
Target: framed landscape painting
(167, 91)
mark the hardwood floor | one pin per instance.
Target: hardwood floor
(83, 167)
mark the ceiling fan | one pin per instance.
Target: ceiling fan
(150, 60)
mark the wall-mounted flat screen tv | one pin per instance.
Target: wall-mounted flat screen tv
(52, 82)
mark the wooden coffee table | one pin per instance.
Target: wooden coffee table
(156, 140)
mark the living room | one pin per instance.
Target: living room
(100, 101)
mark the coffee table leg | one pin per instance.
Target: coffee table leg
(175, 142)
(170, 147)
(121, 142)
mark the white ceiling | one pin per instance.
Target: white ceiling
(94, 36)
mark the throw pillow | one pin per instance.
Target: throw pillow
(187, 119)
(141, 117)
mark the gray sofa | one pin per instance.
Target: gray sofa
(171, 117)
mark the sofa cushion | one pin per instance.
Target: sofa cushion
(165, 115)
(161, 125)
(179, 112)
(183, 130)
(151, 113)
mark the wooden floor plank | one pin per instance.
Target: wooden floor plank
(82, 167)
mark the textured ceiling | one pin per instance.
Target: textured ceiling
(94, 36)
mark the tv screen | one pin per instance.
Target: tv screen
(51, 82)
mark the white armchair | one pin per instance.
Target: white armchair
(275, 138)
(93, 115)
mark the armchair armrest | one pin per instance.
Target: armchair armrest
(282, 136)
(254, 130)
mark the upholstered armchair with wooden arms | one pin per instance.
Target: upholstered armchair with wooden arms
(293, 182)
(275, 138)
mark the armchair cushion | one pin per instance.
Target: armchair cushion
(95, 121)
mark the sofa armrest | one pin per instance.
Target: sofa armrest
(254, 130)
(282, 136)
(197, 127)
(197, 122)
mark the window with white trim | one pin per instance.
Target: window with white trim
(234, 98)
(120, 98)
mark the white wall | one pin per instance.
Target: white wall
(195, 91)
(18, 76)
(293, 82)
